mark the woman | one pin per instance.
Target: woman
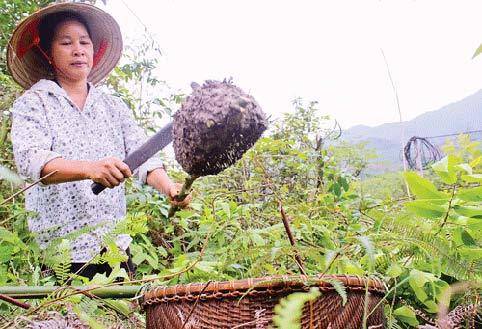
(63, 126)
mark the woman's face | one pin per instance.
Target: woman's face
(72, 51)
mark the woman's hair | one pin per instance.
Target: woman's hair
(49, 24)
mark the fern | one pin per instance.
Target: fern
(339, 288)
(88, 305)
(59, 260)
(61, 294)
(385, 260)
(289, 310)
(423, 246)
(393, 324)
(133, 224)
(113, 255)
(369, 249)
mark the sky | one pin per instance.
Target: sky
(325, 51)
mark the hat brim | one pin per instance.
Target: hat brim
(29, 66)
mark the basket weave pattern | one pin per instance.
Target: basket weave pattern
(250, 303)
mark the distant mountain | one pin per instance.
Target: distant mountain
(462, 116)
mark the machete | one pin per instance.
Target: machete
(136, 158)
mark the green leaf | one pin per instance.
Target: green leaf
(423, 188)
(6, 252)
(431, 306)
(462, 237)
(406, 315)
(119, 306)
(419, 278)
(424, 208)
(394, 270)
(153, 261)
(469, 211)
(465, 167)
(257, 239)
(139, 258)
(419, 291)
(470, 194)
(474, 224)
(87, 318)
(477, 52)
(162, 251)
(206, 266)
(344, 183)
(445, 169)
(350, 267)
(7, 236)
(226, 209)
(335, 189)
(471, 254)
(474, 178)
(474, 163)
(118, 272)
(467, 239)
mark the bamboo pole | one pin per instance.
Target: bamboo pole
(418, 158)
(36, 292)
(402, 125)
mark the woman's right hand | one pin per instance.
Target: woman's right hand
(109, 172)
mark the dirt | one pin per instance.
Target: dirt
(215, 126)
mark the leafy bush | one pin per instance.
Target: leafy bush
(342, 224)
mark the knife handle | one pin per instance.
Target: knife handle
(129, 160)
(132, 161)
(97, 188)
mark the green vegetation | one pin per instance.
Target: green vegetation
(419, 245)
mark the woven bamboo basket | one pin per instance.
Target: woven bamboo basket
(249, 303)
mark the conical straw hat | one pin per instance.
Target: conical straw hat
(28, 65)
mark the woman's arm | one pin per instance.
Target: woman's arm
(31, 136)
(109, 172)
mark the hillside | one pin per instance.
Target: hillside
(461, 116)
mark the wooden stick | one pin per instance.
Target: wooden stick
(286, 224)
(26, 188)
(10, 300)
(195, 304)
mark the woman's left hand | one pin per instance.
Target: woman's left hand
(174, 191)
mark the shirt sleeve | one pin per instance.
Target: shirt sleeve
(31, 136)
(134, 137)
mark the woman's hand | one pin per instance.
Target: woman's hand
(174, 191)
(109, 172)
(159, 179)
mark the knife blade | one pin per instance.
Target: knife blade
(136, 158)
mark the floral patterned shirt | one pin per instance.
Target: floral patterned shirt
(46, 124)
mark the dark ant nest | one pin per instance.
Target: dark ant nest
(215, 126)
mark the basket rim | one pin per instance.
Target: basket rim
(270, 285)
